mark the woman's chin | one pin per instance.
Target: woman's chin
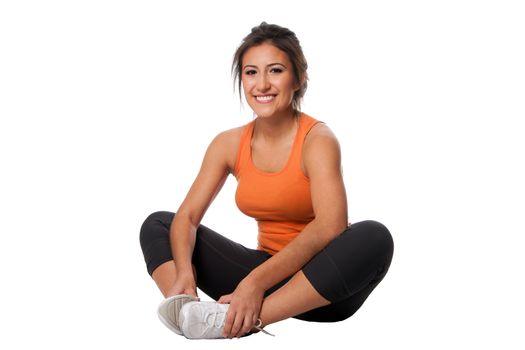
(263, 112)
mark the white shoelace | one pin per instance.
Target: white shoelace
(259, 326)
(216, 317)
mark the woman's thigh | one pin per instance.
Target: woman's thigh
(221, 263)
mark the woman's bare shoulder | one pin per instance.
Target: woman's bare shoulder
(229, 138)
(320, 147)
(320, 132)
(226, 144)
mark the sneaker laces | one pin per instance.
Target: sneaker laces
(216, 317)
(259, 327)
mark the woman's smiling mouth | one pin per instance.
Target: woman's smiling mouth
(265, 98)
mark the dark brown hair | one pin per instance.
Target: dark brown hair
(286, 41)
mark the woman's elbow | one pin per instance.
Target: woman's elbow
(332, 228)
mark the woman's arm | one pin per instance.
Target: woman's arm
(216, 165)
(322, 161)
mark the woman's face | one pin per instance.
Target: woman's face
(268, 80)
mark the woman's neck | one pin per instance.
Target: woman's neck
(276, 128)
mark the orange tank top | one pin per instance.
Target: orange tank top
(280, 202)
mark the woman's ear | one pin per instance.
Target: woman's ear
(300, 83)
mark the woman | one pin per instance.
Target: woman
(309, 264)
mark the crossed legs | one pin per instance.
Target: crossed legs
(363, 256)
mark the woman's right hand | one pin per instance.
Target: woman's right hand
(184, 284)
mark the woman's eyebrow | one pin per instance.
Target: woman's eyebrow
(268, 65)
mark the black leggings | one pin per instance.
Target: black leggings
(345, 272)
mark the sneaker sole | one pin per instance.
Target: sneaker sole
(171, 307)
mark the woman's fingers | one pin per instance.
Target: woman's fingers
(247, 325)
(230, 318)
(237, 325)
(225, 299)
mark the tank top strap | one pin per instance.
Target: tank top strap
(306, 123)
(243, 152)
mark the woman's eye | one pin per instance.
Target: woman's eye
(276, 70)
(250, 72)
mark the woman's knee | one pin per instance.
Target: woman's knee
(154, 226)
(375, 231)
(154, 239)
(372, 237)
(379, 237)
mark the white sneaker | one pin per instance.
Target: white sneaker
(203, 319)
(169, 310)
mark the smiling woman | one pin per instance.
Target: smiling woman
(283, 42)
(310, 263)
(269, 85)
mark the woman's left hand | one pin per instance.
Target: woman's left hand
(245, 306)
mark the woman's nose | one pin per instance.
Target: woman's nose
(263, 83)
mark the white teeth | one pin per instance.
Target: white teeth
(264, 98)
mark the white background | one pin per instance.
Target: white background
(108, 106)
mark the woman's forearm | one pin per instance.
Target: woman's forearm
(295, 255)
(182, 238)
